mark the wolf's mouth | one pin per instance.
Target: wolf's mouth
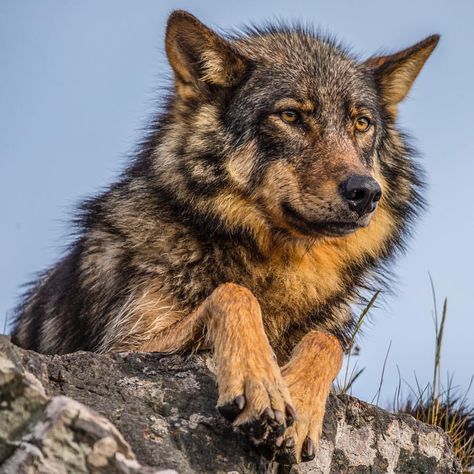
(328, 228)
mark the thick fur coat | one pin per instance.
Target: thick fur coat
(242, 180)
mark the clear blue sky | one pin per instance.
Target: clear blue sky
(77, 83)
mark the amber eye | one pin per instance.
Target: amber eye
(362, 124)
(290, 116)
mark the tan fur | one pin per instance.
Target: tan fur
(240, 164)
(245, 363)
(307, 377)
(238, 230)
(147, 313)
(314, 365)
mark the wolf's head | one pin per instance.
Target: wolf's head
(280, 129)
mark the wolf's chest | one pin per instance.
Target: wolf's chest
(294, 290)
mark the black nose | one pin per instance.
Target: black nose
(361, 193)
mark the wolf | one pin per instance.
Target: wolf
(273, 188)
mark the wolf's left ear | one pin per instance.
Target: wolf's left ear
(396, 73)
(200, 56)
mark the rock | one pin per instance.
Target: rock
(56, 415)
(46, 435)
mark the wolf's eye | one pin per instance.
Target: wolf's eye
(290, 116)
(362, 124)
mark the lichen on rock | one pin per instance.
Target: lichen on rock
(149, 413)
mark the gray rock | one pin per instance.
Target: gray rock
(164, 410)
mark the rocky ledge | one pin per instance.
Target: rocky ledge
(149, 413)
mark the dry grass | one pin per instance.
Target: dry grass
(352, 373)
(445, 407)
(449, 411)
(5, 323)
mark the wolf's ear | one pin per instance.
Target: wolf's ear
(396, 73)
(199, 56)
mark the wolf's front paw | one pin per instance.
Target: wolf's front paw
(255, 398)
(299, 442)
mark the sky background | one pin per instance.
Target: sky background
(78, 81)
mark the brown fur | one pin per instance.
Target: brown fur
(233, 229)
(309, 374)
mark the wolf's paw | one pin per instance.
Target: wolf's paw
(299, 442)
(260, 405)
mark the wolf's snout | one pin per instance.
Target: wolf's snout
(361, 193)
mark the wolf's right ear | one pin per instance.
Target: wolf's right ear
(396, 73)
(199, 56)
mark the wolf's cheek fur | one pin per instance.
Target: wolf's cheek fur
(240, 165)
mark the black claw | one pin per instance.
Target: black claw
(309, 450)
(290, 415)
(229, 412)
(240, 402)
(279, 418)
(290, 443)
(268, 413)
(271, 443)
(232, 410)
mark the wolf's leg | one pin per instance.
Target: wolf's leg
(309, 374)
(252, 393)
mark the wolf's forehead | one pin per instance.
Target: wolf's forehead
(310, 67)
(309, 59)
(297, 49)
